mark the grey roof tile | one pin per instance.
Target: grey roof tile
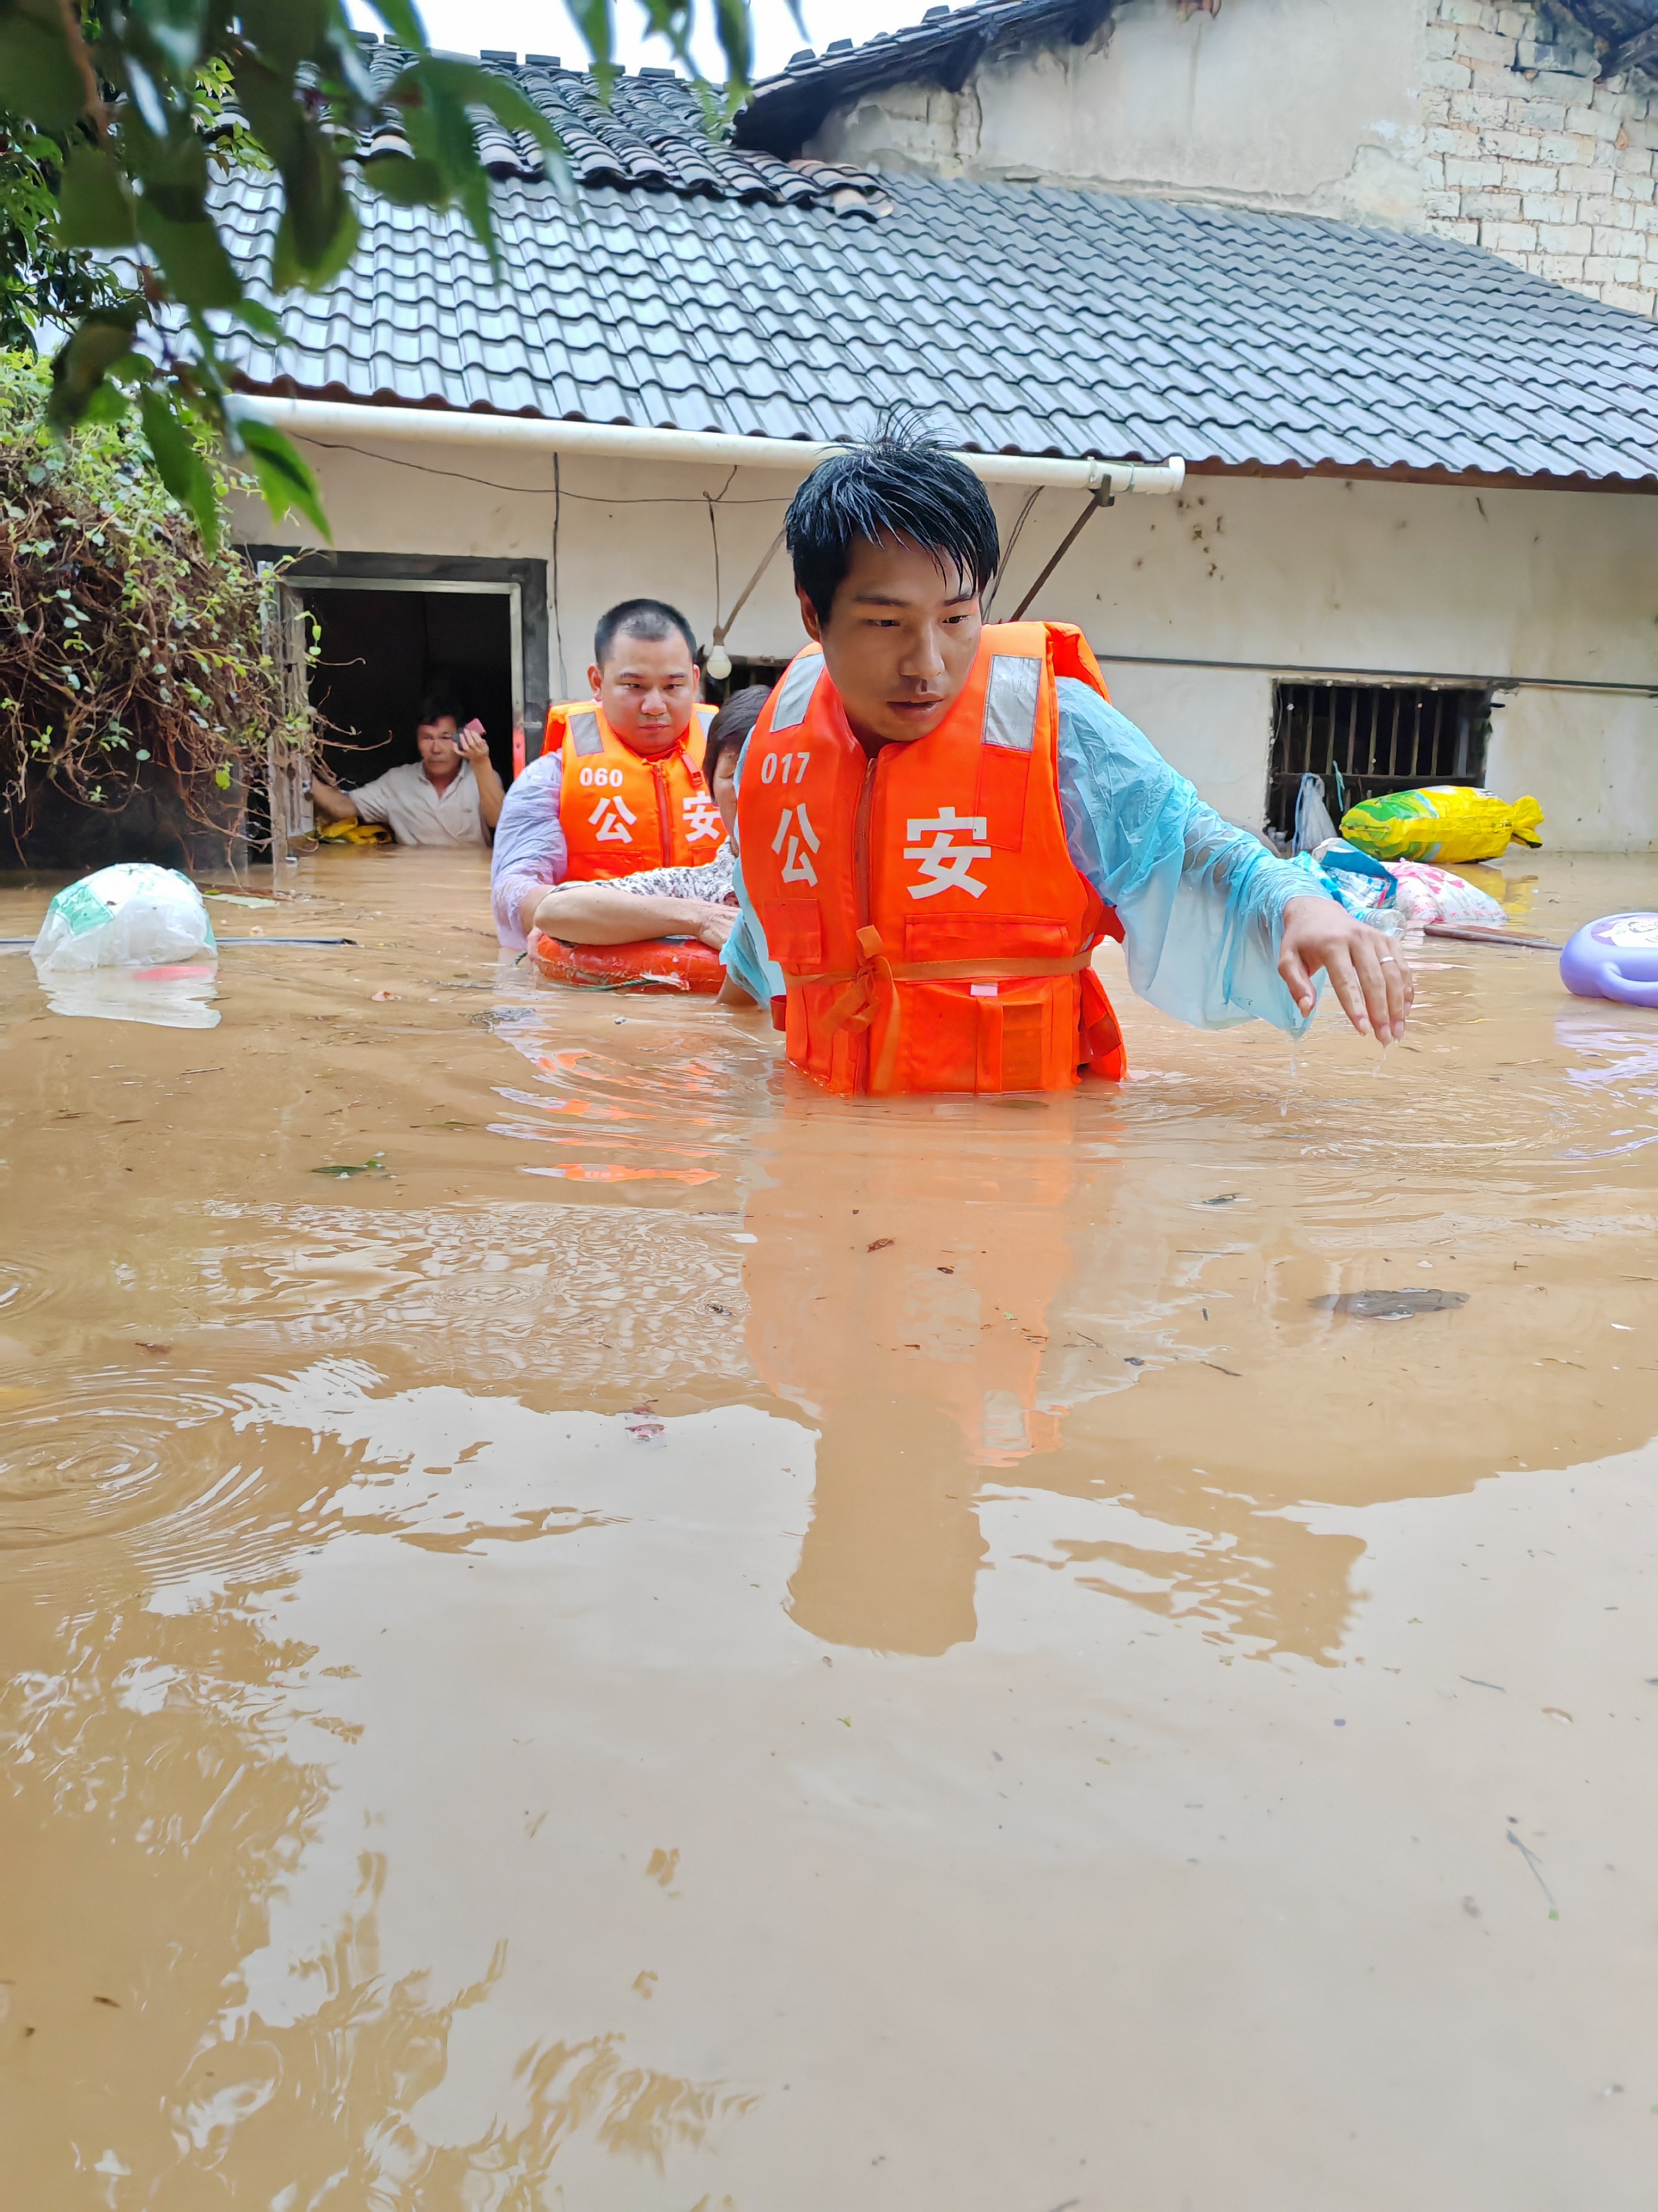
(1036, 321)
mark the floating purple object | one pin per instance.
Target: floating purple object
(1616, 958)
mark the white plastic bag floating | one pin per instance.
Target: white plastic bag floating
(130, 944)
(132, 916)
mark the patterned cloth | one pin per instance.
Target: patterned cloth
(713, 881)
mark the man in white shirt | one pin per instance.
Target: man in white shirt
(450, 796)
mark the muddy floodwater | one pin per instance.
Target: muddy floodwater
(666, 1644)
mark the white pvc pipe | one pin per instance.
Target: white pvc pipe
(324, 420)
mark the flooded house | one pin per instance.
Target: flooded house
(584, 1624)
(1407, 534)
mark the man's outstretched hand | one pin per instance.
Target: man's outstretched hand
(1366, 973)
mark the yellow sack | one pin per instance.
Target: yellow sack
(1447, 823)
(353, 833)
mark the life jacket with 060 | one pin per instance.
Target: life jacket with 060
(622, 811)
(933, 932)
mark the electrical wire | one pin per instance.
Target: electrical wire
(546, 491)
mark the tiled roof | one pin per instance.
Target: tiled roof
(1619, 22)
(650, 137)
(943, 48)
(1015, 319)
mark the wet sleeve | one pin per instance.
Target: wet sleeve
(1201, 902)
(371, 800)
(747, 962)
(529, 852)
(529, 839)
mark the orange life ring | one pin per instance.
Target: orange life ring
(657, 963)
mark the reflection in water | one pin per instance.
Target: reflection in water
(333, 2098)
(894, 1548)
(156, 1803)
(898, 1294)
(639, 1686)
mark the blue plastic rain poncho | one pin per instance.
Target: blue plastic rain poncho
(1201, 903)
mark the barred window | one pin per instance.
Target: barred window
(744, 672)
(1368, 738)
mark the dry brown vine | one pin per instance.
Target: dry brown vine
(128, 654)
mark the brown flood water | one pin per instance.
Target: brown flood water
(688, 1647)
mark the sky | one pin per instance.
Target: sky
(543, 27)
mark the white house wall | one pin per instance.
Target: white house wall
(1484, 120)
(1290, 104)
(1299, 574)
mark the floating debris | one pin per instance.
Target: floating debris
(645, 1428)
(1390, 1305)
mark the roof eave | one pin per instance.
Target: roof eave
(288, 387)
(1448, 479)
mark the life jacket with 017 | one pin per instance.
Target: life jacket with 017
(622, 811)
(933, 932)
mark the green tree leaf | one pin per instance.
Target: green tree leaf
(258, 317)
(403, 19)
(104, 338)
(176, 27)
(410, 183)
(95, 207)
(284, 475)
(199, 271)
(171, 438)
(108, 403)
(318, 234)
(43, 76)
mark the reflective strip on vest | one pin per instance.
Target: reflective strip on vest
(794, 693)
(1011, 699)
(585, 734)
(622, 811)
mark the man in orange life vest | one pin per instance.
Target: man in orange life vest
(938, 820)
(618, 786)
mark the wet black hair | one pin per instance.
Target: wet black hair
(899, 485)
(435, 702)
(640, 618)
(728, 732)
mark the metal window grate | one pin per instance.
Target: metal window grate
(1367, 738)
(744, 672)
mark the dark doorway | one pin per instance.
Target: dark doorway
(457, 631)
(380, 649)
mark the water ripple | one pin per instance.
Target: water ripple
(101, 1454)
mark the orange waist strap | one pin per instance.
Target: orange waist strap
(855, 1007)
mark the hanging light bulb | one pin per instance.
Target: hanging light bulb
(718, 664)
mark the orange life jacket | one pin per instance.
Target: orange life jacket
(933, 932)
(623, 811)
